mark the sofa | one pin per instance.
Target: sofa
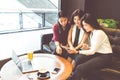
(45, 40)
(114, 37)
(113, 70)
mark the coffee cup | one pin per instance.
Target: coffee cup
(41, 74)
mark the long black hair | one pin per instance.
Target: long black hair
(62, 14)
(77, 12)
(91, 20)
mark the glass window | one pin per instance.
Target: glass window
(27, 14)
(9, 21)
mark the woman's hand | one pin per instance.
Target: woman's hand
(72, 51)
(85, 47)
(71, 47)
(59, 50)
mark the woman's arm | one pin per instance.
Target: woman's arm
(85, 37)
(97, 40)
(75, 51)
(58, 47)
(56, 38)
(70, 37)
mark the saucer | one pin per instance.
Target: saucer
(46, 77)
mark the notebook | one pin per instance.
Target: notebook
(24, 66)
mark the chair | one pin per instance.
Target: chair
(45, 39)
(44, 42)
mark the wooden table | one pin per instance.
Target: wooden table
(48, 61)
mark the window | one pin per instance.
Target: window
(20, 15)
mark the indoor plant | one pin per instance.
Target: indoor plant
(110, 23)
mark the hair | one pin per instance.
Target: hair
(62, 14)
(91, 20)
(77, 12)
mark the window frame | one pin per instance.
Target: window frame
(21, 27)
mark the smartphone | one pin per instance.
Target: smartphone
(56, 70)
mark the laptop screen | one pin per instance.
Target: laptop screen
(16, 59)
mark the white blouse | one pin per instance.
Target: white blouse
(74, 33)
(99, 43)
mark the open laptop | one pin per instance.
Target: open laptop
(24, 66)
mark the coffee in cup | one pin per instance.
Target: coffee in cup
(43, 73)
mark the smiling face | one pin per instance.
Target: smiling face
(63, 21)
(87, 26)
(77, 20)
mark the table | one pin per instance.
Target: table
(11, 72)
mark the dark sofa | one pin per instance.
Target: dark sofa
(45, 40)
(113, 71)
(114, 36)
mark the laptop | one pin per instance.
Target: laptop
(24, 66)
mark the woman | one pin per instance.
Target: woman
(76, 28)
(76, 36)
(60, 34)
(95, 57)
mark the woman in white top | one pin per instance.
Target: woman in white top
(97, 55)
(75, 26)
(76, 36)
